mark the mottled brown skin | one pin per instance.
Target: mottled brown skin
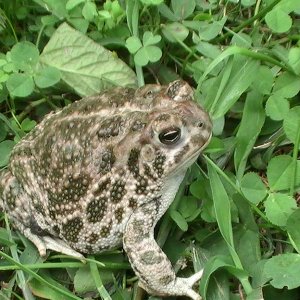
(102, 172)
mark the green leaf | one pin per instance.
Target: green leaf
(150, 39)
(183, 9)
(133, 44)
(83, 281)
(25, 56)
(277, 107)
(215, 263)
(152, 2)
(253, 188)
(294, 59)
(175, 31)
(280, 172)
(239, 77)
(250, 127)
(292, 226)
(4, 238)
(146, 54)
(47, 77)
(85, 65)
(278, 20)
(5, 149)
(28, 124)
(248, 3)
(46, 292)
(73, 3)
(222, 211)
(279, 207)
(209, 31)
(3, 131)
(179, 220)
(283, 270)
(263, 81)
(153, 53)
(89, 11)
(20, 85)
(287, 85)
(291, 124)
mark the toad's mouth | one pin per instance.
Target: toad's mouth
(192, 158)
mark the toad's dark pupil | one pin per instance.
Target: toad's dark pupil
(170, 136)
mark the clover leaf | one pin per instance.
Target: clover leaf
(145, 51)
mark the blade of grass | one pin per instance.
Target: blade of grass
(223, 216)
(100, 287)
(38, 277)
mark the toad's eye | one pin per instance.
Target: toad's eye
(170, 136)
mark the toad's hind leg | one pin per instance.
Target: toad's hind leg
(151, 265)
(49, 242)
(17, 203)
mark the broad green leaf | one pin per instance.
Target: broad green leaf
(150, 39)
(287, 85)
(283, 270)
(278, 20)
(20, 85)
(210, 30)
(263, 81)
(197, 188)
(250, 127)
(183, 9)
(279, 207)
(79, 24)
(3, 131)
(292, 226)
(85, 65)
(73, 3)
(294, 59)
(209, 50)
(146, 54)
(83, 281)
(215, 263)
(280, 172)
(49, 20)
(277, 107)
(188, 206)
(248, 3)
(242, 40)
(141, 57)
(291, 124)
(154, 53)
(4, 238)
(47, 77)
(57, 8)
(25, 56)
(253, 188)
(5, 149)
(175, 31)
(89, 11)
(28, 124)
(133, 44)
(179, 220)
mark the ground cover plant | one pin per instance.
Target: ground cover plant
(236, 213)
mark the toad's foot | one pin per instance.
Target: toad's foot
(151, 265)
(47, 242)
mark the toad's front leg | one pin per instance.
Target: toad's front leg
(151, 265)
